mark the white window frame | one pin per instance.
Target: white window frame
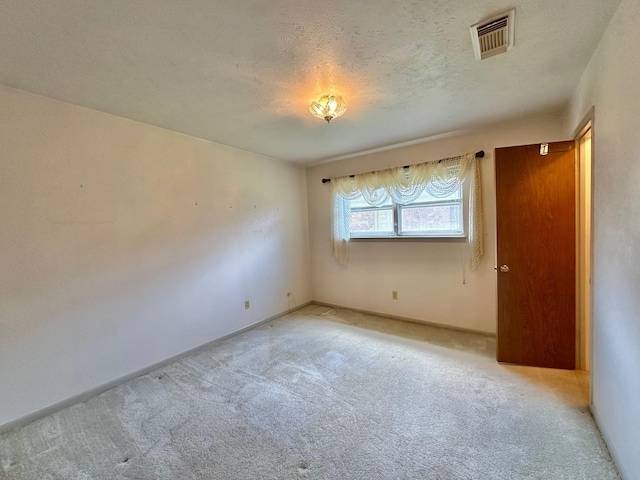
(378, 234)
(397, 223)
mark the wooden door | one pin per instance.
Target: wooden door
(535, 206)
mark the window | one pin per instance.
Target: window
(359, 210)
(427, 216)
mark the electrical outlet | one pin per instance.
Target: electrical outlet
(394, 295)
(247, 305)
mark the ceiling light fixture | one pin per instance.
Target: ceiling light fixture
(328, 107)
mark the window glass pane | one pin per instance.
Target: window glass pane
(432, 218)
(372, 221)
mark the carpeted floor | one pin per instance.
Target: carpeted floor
(320, 396)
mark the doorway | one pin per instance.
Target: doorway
(518, 332)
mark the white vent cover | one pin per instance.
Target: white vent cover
(493, 36)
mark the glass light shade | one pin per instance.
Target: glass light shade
(328, 107)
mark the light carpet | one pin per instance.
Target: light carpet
(321, 396)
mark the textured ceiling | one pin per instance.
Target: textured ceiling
(243, 73)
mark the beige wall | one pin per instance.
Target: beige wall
(124, 244)
(611, 84)
(432, 277)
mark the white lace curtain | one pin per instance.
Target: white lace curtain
(404, 185)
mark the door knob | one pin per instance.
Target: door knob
(504, 268)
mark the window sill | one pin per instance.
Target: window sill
(420, 238)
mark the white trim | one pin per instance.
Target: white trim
(586, 124)
(406, 319)
(589, 123)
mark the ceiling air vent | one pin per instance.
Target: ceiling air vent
(493, 36)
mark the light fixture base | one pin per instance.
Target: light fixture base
(328, 107)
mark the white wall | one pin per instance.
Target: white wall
(610, 83)
(428, 275)
(124, 244)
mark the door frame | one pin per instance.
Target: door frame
(587, 123)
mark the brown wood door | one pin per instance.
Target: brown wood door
(535, 206)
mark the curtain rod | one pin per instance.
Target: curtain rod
(479, 154)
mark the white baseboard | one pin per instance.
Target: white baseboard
(406, 319)
(84, 396)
